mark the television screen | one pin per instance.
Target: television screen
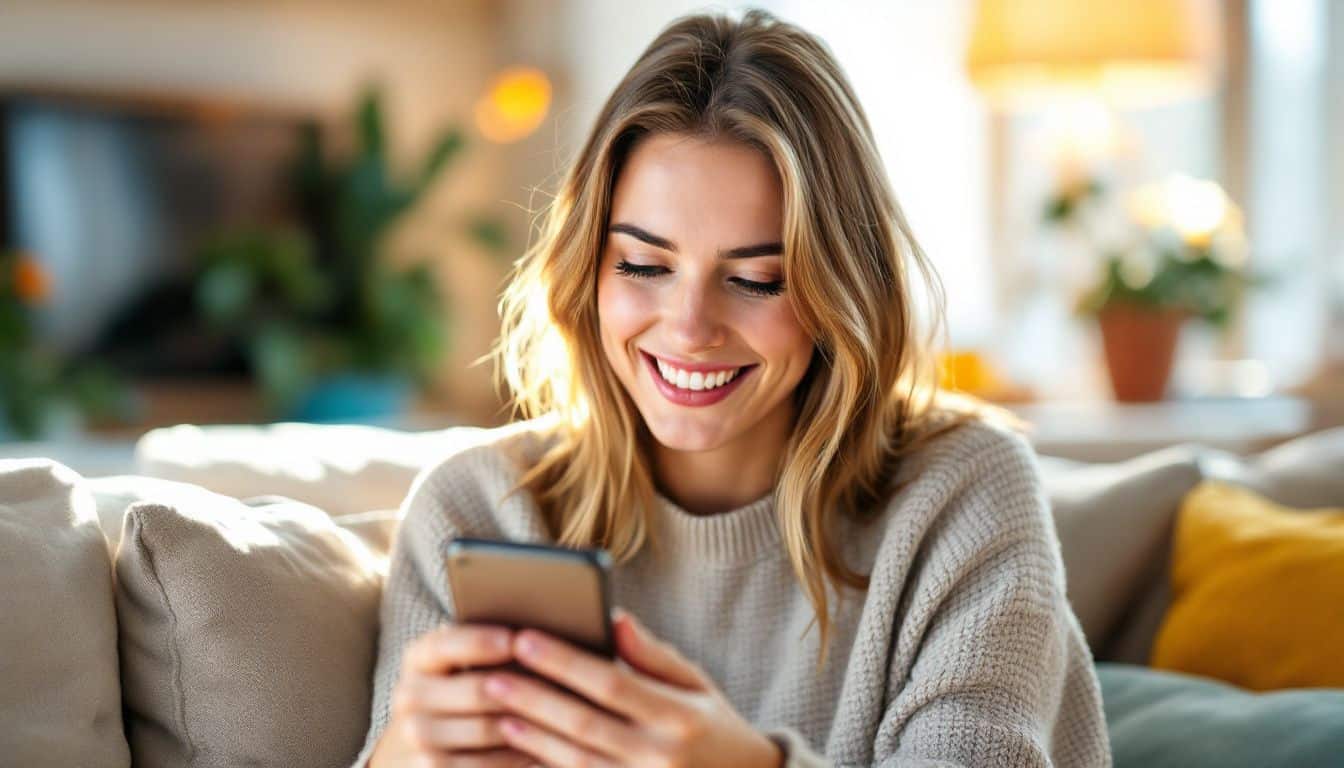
(112, 197)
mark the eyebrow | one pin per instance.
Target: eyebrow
(744, 252)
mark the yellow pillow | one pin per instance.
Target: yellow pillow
(1257, 592)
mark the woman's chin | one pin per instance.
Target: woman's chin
(683, 434)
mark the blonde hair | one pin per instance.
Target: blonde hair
(869, 396)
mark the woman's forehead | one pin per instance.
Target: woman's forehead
(674, 184)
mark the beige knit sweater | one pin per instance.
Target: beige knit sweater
(963, 650)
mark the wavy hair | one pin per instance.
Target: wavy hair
(869, 396)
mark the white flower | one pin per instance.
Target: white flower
(1228, 246)
(1138, 266)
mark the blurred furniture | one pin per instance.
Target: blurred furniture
(1105, 431)
(244, 557)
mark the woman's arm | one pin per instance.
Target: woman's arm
(998, 672)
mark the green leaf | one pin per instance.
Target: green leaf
(369, 120)
(490, 233)
(448, 146)
(224, 293)
(281, 364)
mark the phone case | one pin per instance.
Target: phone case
(564, 592)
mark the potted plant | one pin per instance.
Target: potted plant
(331, 329)
(42, 394)
(1184, 256)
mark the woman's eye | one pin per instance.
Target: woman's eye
(773, 288)
(639, 270)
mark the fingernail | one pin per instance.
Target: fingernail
(511, 727)
(497, 687)
(528, 646)
(500, 641)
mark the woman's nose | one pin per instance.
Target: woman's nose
(693, 318)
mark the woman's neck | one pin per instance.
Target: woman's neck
(729, 476)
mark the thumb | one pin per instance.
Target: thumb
(637, 646)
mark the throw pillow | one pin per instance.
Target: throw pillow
(115, 494)
(1305, 472)
(1257, 592)
(1114, 525)
(1169, 720)
(60, 697)
(248, 634)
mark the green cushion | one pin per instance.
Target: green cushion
(1159, 718)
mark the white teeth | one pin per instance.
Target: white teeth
(697, 381)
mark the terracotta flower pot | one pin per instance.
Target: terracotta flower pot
(1140, 344)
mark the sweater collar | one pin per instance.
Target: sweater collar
(740, 535)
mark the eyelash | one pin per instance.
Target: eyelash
(751, 286)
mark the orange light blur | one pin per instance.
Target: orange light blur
(514, 105)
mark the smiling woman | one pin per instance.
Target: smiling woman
(707, 301)
(715, 338)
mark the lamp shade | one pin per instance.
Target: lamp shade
(1134, 52)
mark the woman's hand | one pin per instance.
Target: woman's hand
(660, 710)
(440, 714)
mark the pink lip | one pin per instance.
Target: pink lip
(690, 397)
(693, 367)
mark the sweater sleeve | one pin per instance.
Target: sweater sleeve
(415, 598)
(1000, 674)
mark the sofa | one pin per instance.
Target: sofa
(219, 605)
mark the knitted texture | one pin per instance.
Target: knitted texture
(962, 651)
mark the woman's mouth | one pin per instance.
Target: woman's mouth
(694, 387)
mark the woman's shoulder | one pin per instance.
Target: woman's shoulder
(973, 444)
(968, 474)
(472, 484)
(967, 492)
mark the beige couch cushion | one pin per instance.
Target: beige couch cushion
(248, 634)
(1114, 523)
(60, 699)
(113, 495)
(1303, 473)
(340, 468)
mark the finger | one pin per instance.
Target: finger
(459, 694)
(619, 689)
(637, 646)
(567, 716)
(454, 646)
(549, 748)
(426, 732)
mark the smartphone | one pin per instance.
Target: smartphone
(560, 591)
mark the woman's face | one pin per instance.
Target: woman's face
(694, 316)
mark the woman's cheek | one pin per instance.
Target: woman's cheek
(772, 328)
(624, 309)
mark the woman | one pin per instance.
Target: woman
(829, 564)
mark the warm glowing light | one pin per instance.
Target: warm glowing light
(1083, 129)
(1028, 53)
(514, 105)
